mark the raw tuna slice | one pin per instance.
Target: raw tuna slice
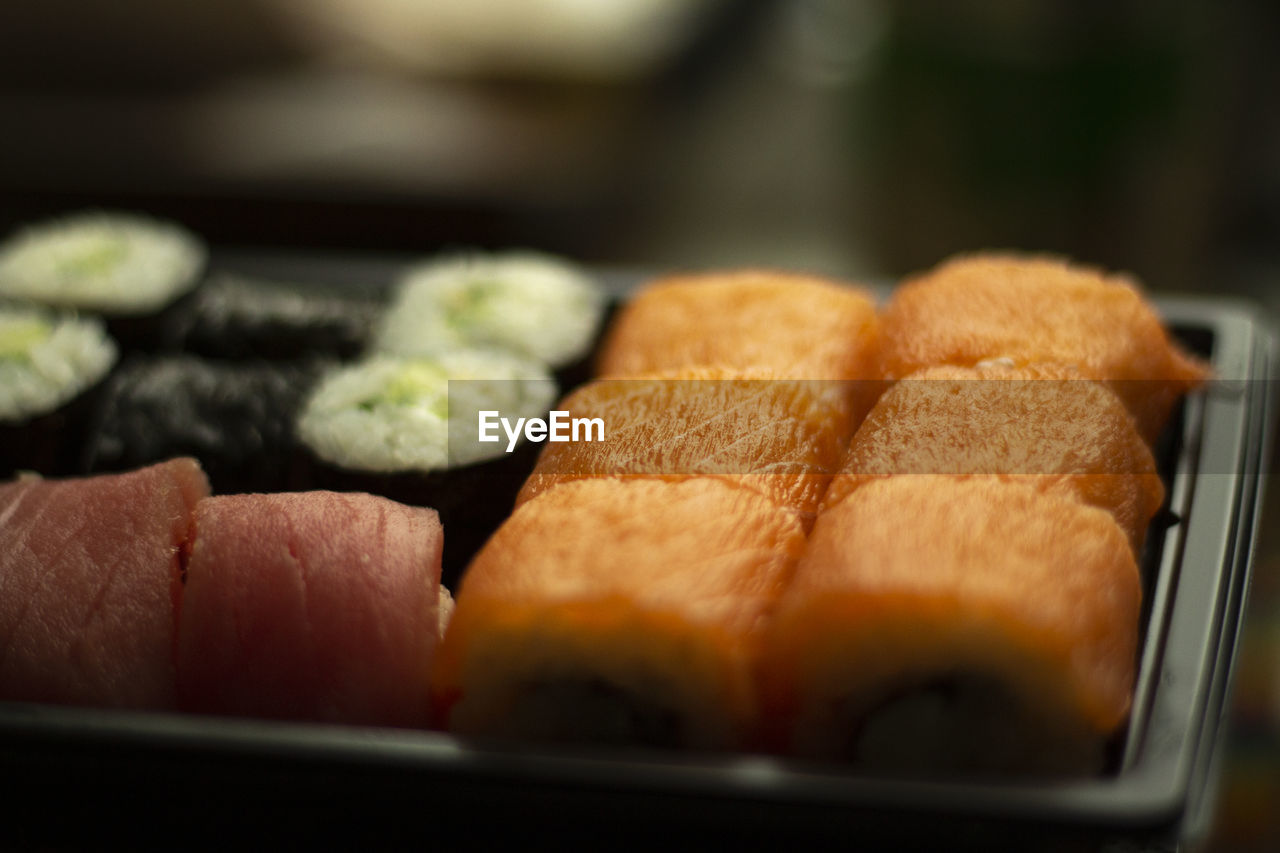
(89, 572)
(313, 606)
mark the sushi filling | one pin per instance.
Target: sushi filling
(47, 360)
(592, 711)
(963, 723)
(468, 305)
(20, 334)
(95, 257)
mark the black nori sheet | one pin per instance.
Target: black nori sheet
(582, 369)
(145, 332)
(472, 500)
(235, 417)
(51, 444)
(235, 317)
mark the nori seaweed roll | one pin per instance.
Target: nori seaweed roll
(407, 429)
(236, 317)
(49, 362)
(127, 267)
(236, 418)
(533, 305)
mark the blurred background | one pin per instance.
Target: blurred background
(861, 138)
(868, 138)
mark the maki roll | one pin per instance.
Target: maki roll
(237, 418)
(535, 306)
(89, 579)
(1025, 310)
(389, 415)
(781, 437)
(127, 267)
(233, 317)
(1042, 426)
(407, 428)
(48, 364)
(941, 625)
(311, 606)
(624, 612)
(800, 327)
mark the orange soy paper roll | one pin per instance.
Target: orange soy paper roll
(944, 625)
(1026, 310)
(618, 611)
(783, 438)
(1042, 426)
(801, 327)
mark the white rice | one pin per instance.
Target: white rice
(531, 304)
(445, 606)
(390, 414)
(46, 360)
(107, 262)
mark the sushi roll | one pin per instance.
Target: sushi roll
(311, 606)
(945, 626)
(535, 306)
(622, 612)
(781, 437)
(89, 577)
(388, 415)
(1043, 426)
(800, 327)
(238, 318)
(49, 365)
(237, 418)
(1022, 310)
(408, 429)
(124, 266)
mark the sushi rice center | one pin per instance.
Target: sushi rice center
(558, 427)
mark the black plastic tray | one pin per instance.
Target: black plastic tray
(84, 775)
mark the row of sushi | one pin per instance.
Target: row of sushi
(134, 271)
(141, 590)
(276, 386)
(906, 538)
(735, 567)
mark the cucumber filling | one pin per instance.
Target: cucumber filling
(94, 256)
(20, 335)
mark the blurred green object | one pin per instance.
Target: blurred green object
(1041, 125)
(1086, 129)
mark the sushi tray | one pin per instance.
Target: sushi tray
(195, 381)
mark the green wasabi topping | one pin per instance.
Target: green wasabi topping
(464, 306)
(417, 383)
(19, 335)
(95, 257)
